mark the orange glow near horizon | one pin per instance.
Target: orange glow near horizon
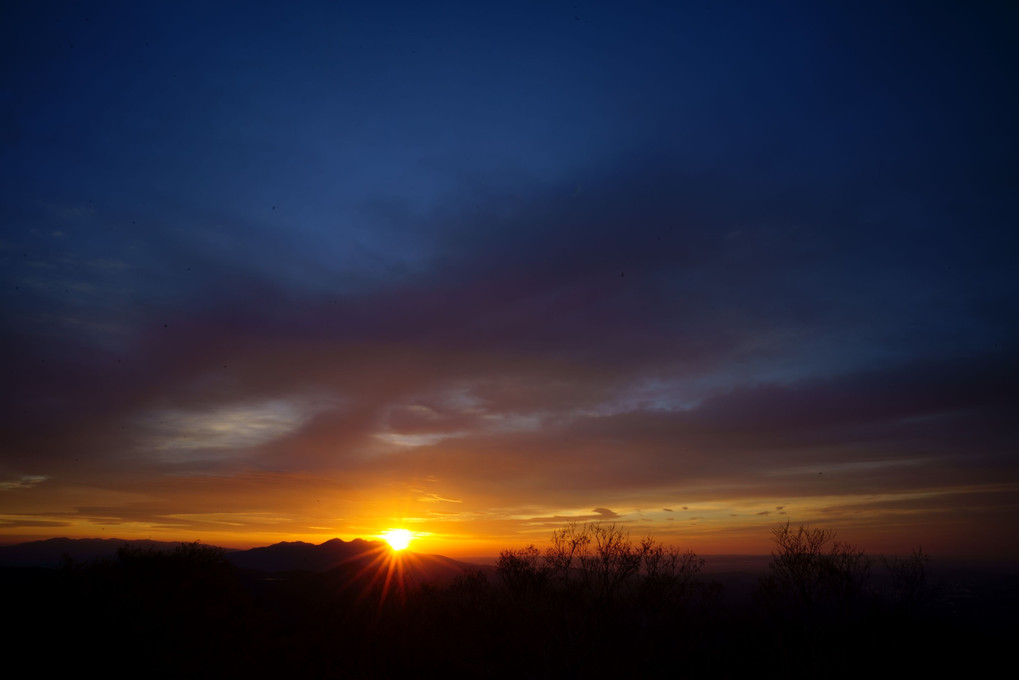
(707, 528)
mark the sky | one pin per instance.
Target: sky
(279, 271)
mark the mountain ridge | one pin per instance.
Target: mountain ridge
(277, 557)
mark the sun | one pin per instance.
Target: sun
(398, 539)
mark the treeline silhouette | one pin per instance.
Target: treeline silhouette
(593, 603)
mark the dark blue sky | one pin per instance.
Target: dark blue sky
(475, 267)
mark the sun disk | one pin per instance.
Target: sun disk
(398, 539)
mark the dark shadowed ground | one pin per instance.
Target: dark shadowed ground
(190, 612)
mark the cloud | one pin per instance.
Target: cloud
(25, 482)
(435, 498)
(233, 427)
(6, 522)
(596, 515)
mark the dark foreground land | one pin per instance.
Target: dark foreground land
(191, 613)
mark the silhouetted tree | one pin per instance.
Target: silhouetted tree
(567, 546)
(911, 589)
(812, 572)
(523, 571)
(668, 573)
(812, 597)
(610, 560)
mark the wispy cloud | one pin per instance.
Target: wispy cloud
(25, 482)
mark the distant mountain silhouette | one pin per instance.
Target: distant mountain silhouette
(50, 552)
(301, 556)
(355, 559)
